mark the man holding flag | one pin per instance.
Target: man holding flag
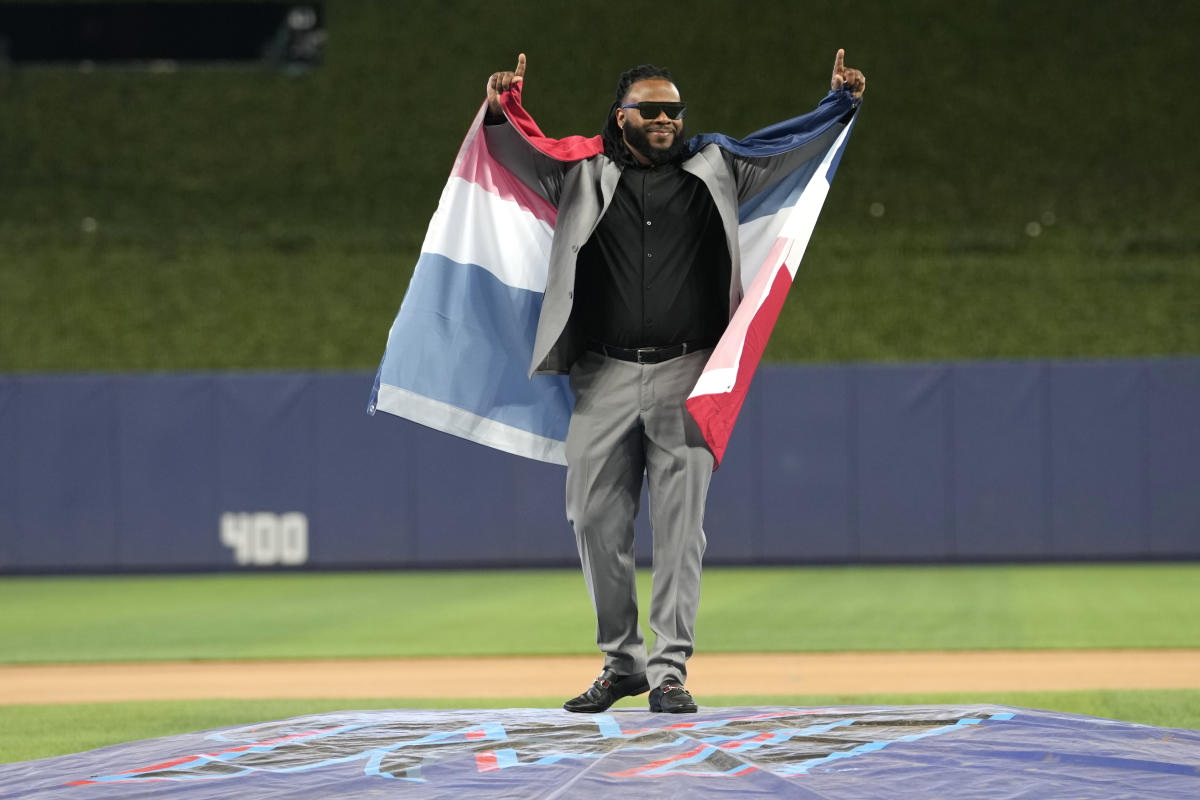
(565, 307)
(645, 271)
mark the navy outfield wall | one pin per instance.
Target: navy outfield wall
(857, 463)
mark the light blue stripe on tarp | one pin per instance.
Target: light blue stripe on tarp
(461, 320)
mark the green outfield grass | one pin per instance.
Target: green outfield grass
(380, 614)
(30, 732)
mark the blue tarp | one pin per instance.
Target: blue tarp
(844, 753)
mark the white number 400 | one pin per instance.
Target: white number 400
(263, 539)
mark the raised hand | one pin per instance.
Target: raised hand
(848, 77)
(501, 82)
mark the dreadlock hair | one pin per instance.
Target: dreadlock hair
(610, 134)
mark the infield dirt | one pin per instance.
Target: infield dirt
(711, 674)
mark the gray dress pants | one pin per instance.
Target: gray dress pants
(630, 420)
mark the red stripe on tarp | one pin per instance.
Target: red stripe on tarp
(486, 761)
(189, 759)
(662, 762)
(717, 413)
(734, 745)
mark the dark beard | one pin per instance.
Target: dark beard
(637, 139)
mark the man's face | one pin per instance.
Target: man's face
(653, 141)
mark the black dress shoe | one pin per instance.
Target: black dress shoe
(671, 698)
(606, 690)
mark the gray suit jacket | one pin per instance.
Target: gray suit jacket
(582, 190)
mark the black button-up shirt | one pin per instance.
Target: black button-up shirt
(656, 270)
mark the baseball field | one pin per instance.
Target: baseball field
(91, 661)
(1017, 189)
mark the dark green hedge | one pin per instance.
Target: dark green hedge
(1033, 163)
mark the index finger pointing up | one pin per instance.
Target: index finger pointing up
(838, 66)
(519, 74)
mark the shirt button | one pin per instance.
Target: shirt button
(648, 222)
(649, 255)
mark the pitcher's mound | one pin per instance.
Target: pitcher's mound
(846, 753)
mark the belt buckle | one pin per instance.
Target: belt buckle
(641, 352)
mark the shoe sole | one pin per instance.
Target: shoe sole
(688, 710)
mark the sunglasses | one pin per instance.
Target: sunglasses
(650, 110)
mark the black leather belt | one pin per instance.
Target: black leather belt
(648, 355)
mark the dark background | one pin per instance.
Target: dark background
(129, 33)
(1021, 183)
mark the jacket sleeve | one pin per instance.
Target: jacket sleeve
(765, 157)
(532, 167)
(536, 159)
